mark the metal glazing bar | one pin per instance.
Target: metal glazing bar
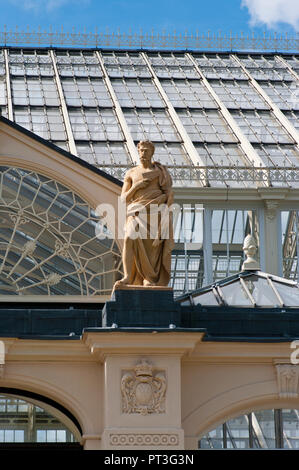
(219, 295)
(261, 238)
(289, 245)
(207, 246)
(275, 109)
(243, 284)
(186, 288)
(248, 149)
(287, 65)
(31, 423)
(286, 439)
(121, 118)
(221, 226)
(188, 144)
(8, 87)
(227, 242)
(224, 434)
(65, 113)
(250, 431)
(297, 243)
(278, 428)
(231, 437)
(258, 432)
(295, 252)
(275, 291)
(279, 244)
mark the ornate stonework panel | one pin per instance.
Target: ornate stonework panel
(271, 209)
(143, 389)
(287, 380)
(148, 439)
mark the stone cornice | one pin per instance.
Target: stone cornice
(28, 350)
(167, 342)
(197, 195)
(94, 347)
(240, 352)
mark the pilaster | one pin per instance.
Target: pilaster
(142, 387)
(272, 231)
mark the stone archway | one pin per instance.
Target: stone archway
(32, 418)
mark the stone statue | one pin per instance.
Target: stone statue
(148, 237)
(250, 249)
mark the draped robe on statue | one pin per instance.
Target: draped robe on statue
(152, 236)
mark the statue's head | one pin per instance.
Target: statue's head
(145, 149)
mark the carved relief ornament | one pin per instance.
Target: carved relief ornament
(271, 209)
(287, 380)
(143, 389)
(148, 439)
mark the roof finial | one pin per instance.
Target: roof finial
(250, 249)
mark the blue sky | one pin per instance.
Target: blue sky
(168, 15)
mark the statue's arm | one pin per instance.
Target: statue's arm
(167, 188)
(129, 189)
(126, 188)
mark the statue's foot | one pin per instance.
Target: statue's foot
(148, 283)
(122, 282)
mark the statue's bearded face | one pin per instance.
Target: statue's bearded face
(145, 153)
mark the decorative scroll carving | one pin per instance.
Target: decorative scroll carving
(144, 439)
(271, 209)
(62, 249)
(287, 380)
(143, 390)
(53, 279)
(18, 219)
(29, 248)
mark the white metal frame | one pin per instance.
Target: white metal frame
(64, 109)
(8, 87)
(248, 149)
(122, 121)
(274, 108)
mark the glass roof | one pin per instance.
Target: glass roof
(246, 289)
(94, 103)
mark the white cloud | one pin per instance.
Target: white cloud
(273, 12)
(43, 5)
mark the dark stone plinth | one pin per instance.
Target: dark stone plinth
(45, 320)
(141, 307)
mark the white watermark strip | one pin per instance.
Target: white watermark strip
(154, 221)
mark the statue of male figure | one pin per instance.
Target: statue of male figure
(147, 192)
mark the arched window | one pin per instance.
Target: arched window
(49, 242)
(22, 421)
(263, 429)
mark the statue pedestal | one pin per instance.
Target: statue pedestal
(134, 306)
